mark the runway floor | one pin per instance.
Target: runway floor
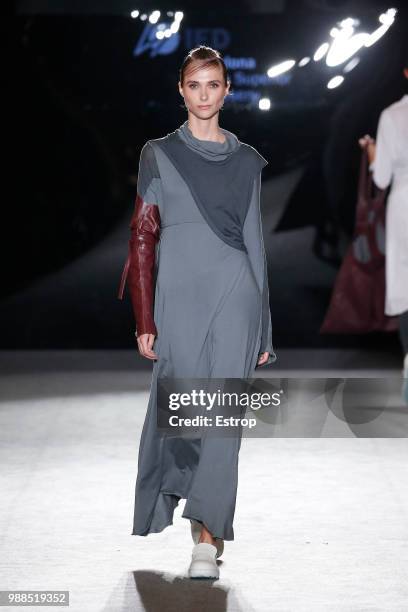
(321, 523)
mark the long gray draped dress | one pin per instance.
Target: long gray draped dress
(211, 310)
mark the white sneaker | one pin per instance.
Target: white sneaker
(203, 563)
(195, 534)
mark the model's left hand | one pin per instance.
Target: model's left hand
(263, 358)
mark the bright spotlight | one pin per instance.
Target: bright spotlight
(351, 64)
(386, 20)
(264, 103)
(347, 23)
(154, 17)
(335, 82)
(388, 17)
(134, 14)
(304, 61)
(280, 68)
(344, 47)
(321, 51)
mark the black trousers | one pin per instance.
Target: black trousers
(403, 330)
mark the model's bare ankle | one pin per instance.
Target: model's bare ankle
(206, 537)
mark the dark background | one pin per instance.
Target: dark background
(84, 107)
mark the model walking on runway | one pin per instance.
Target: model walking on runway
(388, 157)
(198, 281)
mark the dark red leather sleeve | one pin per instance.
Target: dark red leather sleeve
(139, 266)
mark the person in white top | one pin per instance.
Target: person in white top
(388, 158)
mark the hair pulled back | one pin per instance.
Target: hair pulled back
(207, 56)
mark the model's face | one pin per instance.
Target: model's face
(203, 88)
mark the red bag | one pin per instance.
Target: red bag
(358, 299)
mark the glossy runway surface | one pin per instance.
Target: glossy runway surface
(321, 522)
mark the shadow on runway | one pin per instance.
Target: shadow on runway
(158, 591)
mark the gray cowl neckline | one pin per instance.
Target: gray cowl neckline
(220, 176)
(211, 150)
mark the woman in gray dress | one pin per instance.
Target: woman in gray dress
(198, 281)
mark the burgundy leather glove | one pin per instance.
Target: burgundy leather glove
(139, 266)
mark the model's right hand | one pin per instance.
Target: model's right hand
(365, 140)
(145, 344)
